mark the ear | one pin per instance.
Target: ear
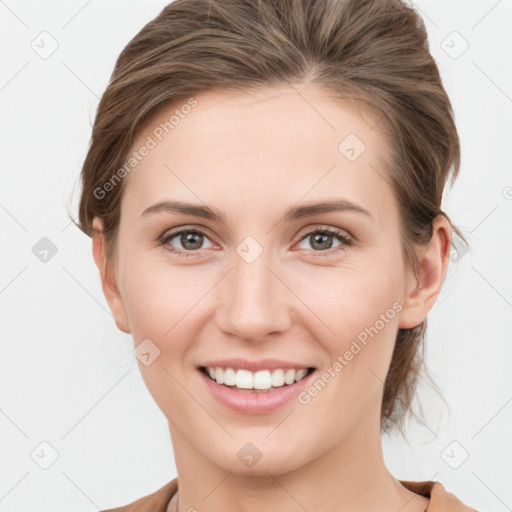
(433, 262)
(108, 280)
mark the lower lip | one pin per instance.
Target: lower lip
(253, 402)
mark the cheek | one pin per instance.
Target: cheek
(157, 295)
(360, 306)
(352, 299)
(160, 298)
(362, 311)
(158, 301)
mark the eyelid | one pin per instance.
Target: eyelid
(186, 227)
(334, 230)
(307, 231)
(346, 240)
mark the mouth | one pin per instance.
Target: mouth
(262, 381)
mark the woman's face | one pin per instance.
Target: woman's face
(263, 285)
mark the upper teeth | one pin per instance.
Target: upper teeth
(264, 379)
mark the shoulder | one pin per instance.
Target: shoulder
(440, 499)
(154, 502)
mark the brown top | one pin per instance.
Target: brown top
(440, 499)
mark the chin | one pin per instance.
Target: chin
(260, 459)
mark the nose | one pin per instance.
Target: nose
(253, 301)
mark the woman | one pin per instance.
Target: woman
(263, 190)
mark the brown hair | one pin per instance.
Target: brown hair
(373, 51)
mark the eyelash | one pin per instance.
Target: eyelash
(345, 241)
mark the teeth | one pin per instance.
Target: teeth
(219, 375)
(244, 379)
(277, 378)
(260, 380)
(289, 376)
(229, 377)
(299, 375)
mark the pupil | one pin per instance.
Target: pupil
(193, 238)
(319, 237)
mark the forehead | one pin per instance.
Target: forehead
(262, 148)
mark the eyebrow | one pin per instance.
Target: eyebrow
(291, 213)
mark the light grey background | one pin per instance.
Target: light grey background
(69, 377)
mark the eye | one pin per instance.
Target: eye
(321, 241)
(190, 240)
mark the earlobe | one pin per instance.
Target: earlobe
(121, 328)
(433, 263)
(108, 281)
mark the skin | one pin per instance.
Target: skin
(251, 156)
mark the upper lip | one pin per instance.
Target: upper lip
(262, 364)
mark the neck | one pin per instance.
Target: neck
(350, 476)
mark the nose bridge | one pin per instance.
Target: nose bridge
(252, 302)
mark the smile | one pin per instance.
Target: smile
(254, 392)
(259, 381)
